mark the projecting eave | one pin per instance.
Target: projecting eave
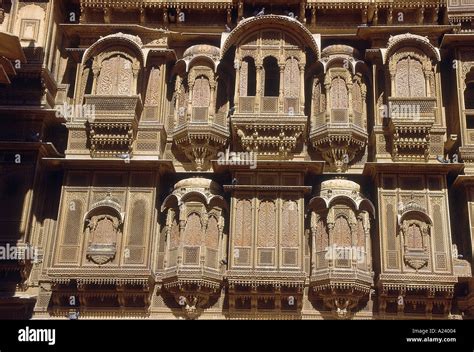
(374, 168)
(44, 149)
(464, 180)
(371, 32)
(458, 39)
(308, 167)
(164, 166)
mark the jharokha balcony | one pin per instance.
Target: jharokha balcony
(113, 126)
(268, 116)
(339, 108)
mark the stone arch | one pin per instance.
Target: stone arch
(271, 22)
(397, 42)
(127, 41)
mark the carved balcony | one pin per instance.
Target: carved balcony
(339, 134)
(341, 265)
(113, 125)
(411, 122)
(274, 127)
(200, 138)
(339, 107)
(193, 266)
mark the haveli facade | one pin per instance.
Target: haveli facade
(117, 117)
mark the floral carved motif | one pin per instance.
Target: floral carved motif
(102, 230)
(193, 230)
(115, 77)
(266, 224)
(243, 225)
(290, 226)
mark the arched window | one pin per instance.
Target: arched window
(248, 78)
(272, 77)
(339, 96)
(469, 95)
(409, 78)
(469, 100)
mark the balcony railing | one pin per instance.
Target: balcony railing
(200, 114)
(246, 104)
(115, 107)
(412, 108)
(339, 116)
(269, 104)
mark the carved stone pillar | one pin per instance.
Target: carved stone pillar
(107, 15)
(349, 96)
(95, 72)
(229, 16)
(190, 100)
(237, 92)
(259, 88)
(211, 101)
(390, 16)
(313, 17)
(314, 228)
(375, 19)
(240, 11)
(363, 90)
(182, 227)
(428, 79)
(392, 83)
(364, 15)
(302, 97)
(421, 15)
(302, 12)
(280, 93)
(327, 87)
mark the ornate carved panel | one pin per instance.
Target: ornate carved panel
(357, 98)
(339, 96)
(341, 232)
(115, 77)
(266, 235)
(243, 225)
(153, 90)
(193, 230)
(409, 78)
(212, 233)
(291, 76)
(201, 92)
(290, 224)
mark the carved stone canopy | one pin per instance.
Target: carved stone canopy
(207, 189)
(209, 52)
(334, 189)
